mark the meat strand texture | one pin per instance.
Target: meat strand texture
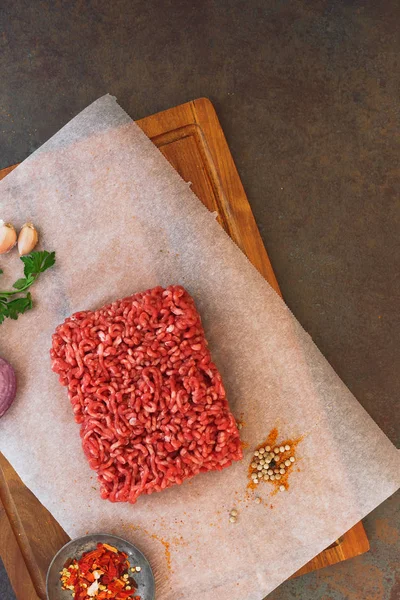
(149, 400)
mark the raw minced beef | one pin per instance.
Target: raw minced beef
(150, 402)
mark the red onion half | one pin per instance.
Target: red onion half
(8, 386)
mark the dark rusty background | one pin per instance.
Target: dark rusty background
(308, 95)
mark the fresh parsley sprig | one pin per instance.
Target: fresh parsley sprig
(15, 302)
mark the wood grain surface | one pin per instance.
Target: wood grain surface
(191, 138)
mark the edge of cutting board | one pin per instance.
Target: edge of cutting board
(186, 134)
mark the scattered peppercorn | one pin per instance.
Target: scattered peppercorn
(266, 466)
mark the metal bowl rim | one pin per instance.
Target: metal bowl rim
(93, 535)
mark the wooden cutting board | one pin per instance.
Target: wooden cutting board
(191, 138)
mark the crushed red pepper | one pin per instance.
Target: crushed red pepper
(102, 574)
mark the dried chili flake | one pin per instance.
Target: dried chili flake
(102, 574)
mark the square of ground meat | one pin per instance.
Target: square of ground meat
(149, 400)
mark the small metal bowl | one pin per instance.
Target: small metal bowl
(75, 549)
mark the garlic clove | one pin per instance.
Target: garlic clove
(8, 237)
(27, 239)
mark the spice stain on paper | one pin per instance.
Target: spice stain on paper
(286, 455)
(158, 538)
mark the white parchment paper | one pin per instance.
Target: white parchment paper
(121, 220)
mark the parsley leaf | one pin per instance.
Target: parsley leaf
(34, 264)
(23, 283)
(18, 306)
(38, 262)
